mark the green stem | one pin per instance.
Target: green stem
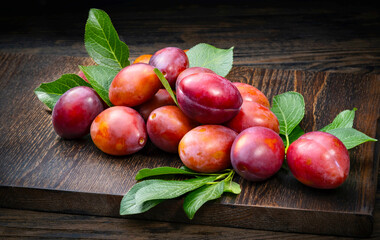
(222, 176)
(287, 143)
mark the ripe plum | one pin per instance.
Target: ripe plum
(166, 126)
(208, 98)
(161, 98)
(252, 94)
(257, 153)
(119, 131)
(74, 112)
(171, 61)
(253, 114)
(134, 85)
(207, 148)
(319, 160)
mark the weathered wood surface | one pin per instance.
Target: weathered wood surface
(39, 171)
(304, 35)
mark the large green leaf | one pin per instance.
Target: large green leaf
(350, 137)
(102, 41)
(163, 189)
(216, 59)
(289, 108)
(129, 205)
(197, 198)
(344, 119)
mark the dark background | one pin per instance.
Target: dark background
(311, 35)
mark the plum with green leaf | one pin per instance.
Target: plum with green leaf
(319, 160)
(171, 61)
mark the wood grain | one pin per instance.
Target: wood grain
(40, 171)
(16, 224)
(302, 35)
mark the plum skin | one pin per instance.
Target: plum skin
(257, 153)
(134, 85)
(166, 126)
(253, 114)
(143, 59)
(74, 112)
(252, 94)
(206, 148)
(160, 99)
(208, 98)
(319, 160)
(119, 131)
(190, 71)
(171, 61)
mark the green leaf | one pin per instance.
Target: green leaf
(350, 137)
(100, 78)
(289, 108)
(232, 187)
(294, 135)
(129, 205)
(166, 85)
(197, 198)
(146, 172)
(345, 119)
(49, 93)
(168, 189)
(102, 41)
(216, 59)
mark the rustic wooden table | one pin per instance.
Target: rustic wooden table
(317, 37)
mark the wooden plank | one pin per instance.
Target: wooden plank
(40, 171)
(15, 224)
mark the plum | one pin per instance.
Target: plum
(166, 126)
(119, 131)
(253, 114)
(252, 94)
(319, 160)
(207, 148)
(161, 98)
(257, 153)
(143, 59)
(74, 112)
(134, 85)
(208, 98)
(171, 61)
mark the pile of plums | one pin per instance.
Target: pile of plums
(217, 124)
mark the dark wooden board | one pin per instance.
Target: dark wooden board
(40, 171)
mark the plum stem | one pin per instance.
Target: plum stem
(287, 143)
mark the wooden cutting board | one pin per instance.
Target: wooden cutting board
(40, 171)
